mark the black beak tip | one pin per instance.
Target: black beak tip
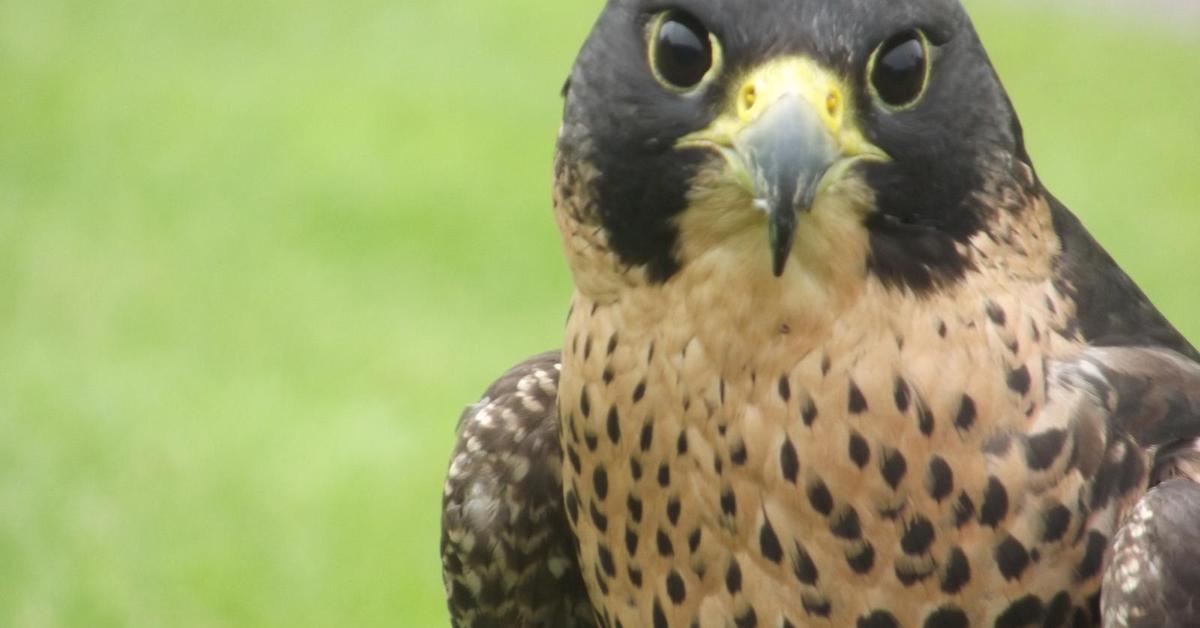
(782, 236)
(779, 263)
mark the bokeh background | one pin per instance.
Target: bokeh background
(256, 255)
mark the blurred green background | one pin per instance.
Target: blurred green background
(255, 256)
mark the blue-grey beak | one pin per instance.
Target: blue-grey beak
(787, 151)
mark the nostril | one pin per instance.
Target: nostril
(749, 97)
(833, 104)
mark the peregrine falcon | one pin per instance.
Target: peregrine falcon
(835, 355)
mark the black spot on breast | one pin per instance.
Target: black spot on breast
(859, 451)
(1026, 611)
(635, 577)
(585, 403)
(1093, 558)
(995, 312)
(612, 343)
(878, 619)
(966, 413)
(634, 506)
(598, 518)
(768, 543)
(893, 467)
(785, 388)
(747, 619)
(681, 443)
(606, 560)
(1011, 558)
(925, 419)
(639, 391)
(609, 375)
(675, 587)
(614, 425)
(819, 497)
(647, 438)
(917, 537)
(857, 403)
(573, 457)
(957, 573)
(665, 547)
(591, 441)
(631, 540)
(660, 620)
(728, 503)
(940, 479)
(995, 503)
(808, 412)
(947, 617)
(737, 455)
(846, 524)
(900, 395)
(587, 347)
(694, 540)
(861, 559)
(964, 509)
(664, 475)
(673, 508)
(804, 567)
(789, 463)
(635, 469)
(941, 329)
(600, 482)
(1041, 450)
(1019, 381)
(733, 577)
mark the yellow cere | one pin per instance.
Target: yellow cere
(770, 82)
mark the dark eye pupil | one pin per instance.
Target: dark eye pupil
(899, 72)
(682, 50)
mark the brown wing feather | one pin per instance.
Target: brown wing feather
(1151, 395)
(508, 557)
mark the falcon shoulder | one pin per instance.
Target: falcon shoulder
(508, 557)
(1142, 399)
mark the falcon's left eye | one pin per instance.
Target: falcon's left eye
(899, 69)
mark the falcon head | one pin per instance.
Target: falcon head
(781, 137)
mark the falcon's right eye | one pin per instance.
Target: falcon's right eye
(681, 50)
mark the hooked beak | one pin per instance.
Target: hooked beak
(788, 130)
(787, 151)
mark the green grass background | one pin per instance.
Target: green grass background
(256, 255)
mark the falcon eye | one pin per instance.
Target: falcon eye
(681, 51)
(899, 69)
